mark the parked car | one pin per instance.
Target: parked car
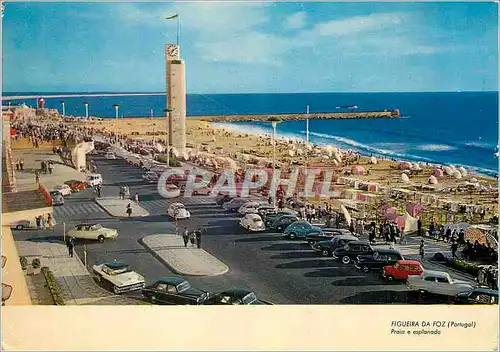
(205, 191)
(223, 198)
(150, 177)
(265, 210)
(178, 211)
(234, 297)
(438, 283)
(64, 189)
(325, 235)
(299, 229)
(119, 277)
(23, 225)
(402, 269)
(76, 185)
(378, 260)
(94, 179)
(478, 295)
(328, 247)
(350, 251)
(281, 223)
(93, 232)
(57, 198)
(271, 217)
(252, 222)
(110, 156)
(234, 204)
(174, 290)
(249, 207)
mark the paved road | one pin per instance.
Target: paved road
(278, 270)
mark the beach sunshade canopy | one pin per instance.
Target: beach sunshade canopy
(404, 165)
(373, 160)
(438, 172)
(358, 170)
(448, 170)
(463, 171)
(457, 174)
(411, 224)
(405, 178)
(414, 209)
(432, 180)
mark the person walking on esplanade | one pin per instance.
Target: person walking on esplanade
(185, 236)
(192, 238)
(421, 249)
(198, 238)
(129, 210)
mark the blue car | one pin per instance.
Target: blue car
(282, 222)
(300, 229)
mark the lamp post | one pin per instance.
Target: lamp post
(274, 122)
(167, 112)
(116, 106)
(307, 139)
(63, 108)
(86, 110)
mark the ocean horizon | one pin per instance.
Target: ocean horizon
(459, 128)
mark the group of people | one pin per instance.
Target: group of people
(43, 222)
(47, 166)
(192, 236)
(20, 165)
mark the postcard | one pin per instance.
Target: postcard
(238, 175)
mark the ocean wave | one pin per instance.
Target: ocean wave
(482, 145)
(435, 147)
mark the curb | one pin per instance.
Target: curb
(119, 216)
(175, 270)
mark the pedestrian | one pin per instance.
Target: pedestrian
(50, 221)
(71, 245)
(50, 167)
(185, 236)
(21, 164)
(192, 238)
(43, 222)
(17, 165)
(419, 227)
(129, 210)
(454, 247)
(198, 238)
(280, 204)
(351, 226)
(421, 249)
(136, 198)
(98, 191)
(38, 221)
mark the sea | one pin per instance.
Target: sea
(451, 128)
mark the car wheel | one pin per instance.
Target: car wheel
(311, 243)
(100, 238)
(279, 228)
(325, 252)
(366, 269)
(195, 193)
(19, 227)
(346, 259)
(152, 299)
(291, 235)
(268, 223)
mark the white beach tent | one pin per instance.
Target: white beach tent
(346, 213)
(432, 180)
(463, 171)
(411, 224)
(405, 178)
(448, 170)
(457, 174)
(373, 160)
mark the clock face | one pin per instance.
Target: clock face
(172, 50)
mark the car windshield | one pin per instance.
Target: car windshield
(256, 219)
(250, 298)
(183, 286)
(118, 271)
(179, 206)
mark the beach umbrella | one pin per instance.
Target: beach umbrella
(373, 160)
(337, 155)
(414, 209)
(416, 167)
(463, 171)
(432, 180)
(457, 174)
(438, 172)
(453, 169)
(404, 165)
(448, 170)
(405, 178)
(400, 222)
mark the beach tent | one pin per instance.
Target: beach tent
(373, 160)
(432, 180)
(400, 222)
(346, 213)
(414, 209)
(410, 224)
(300, 152)
(358, 170)
(416, 167)
(474, 180)
(453, 169)
(404, 165)
(438, 172)
(448, 170)
(405, 178)
(463, 171)
(291, 153)
(391, 217)
(457, 174)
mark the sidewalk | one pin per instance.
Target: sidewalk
(118, 207)
(78, 286)
(25, 180)
(182, 260)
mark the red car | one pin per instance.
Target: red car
(77, 186)
(402, 269)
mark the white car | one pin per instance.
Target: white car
(252, 222)
(93, 232)
(119, 276)
(94, 180)
(234, 204)
(110, 156)
(65, 190)
(178, 211)
(150, 177)
(437, 282)
(250, 207)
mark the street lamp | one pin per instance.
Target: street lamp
(167, 111)
(116, 106)
(63, 108)
(274, 122)
(86, 110)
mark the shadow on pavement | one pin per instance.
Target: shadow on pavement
(283, 247)
(330, 272)
(380, 297)
(151, 218)
(294, 255)
(306, 264)
(359, 281)
(259, 238)
(50, 239)
(125, 183)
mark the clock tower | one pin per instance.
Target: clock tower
(176, 97)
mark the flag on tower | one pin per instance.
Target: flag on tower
(172, 17)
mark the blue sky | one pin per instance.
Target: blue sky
(252, 47)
